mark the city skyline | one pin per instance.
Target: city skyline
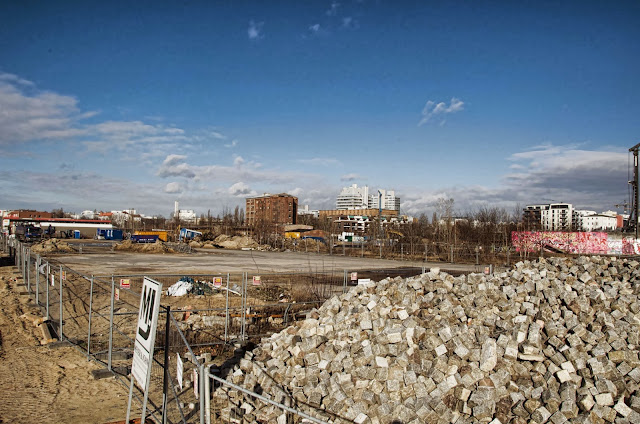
(139, 105)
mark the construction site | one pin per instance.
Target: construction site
(250, 335)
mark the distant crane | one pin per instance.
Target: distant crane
(632, 223)
(625, 205)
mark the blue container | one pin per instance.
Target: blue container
(76, 234)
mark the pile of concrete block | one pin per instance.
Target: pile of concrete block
(551, 341)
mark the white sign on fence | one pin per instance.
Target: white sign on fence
(179, 370)
(146, 332)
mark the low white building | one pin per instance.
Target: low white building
(598, 222)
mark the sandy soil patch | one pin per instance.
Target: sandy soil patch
(46, 384)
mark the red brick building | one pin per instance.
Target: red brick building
(28, 213)
(271, 210)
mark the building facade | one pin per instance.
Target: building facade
(389, 200)
(354, 198)
(271, 210)
(564, 217)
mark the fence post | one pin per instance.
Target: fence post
(110, 352)
(47, 285)
(90, 310)
(28, 273)
(344, 281)
(165, 382)
(226, 313)
(201, 388)
(61, 336)
(38, 280)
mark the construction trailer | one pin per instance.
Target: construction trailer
(187, 234)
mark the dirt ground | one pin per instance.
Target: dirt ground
(46, 384)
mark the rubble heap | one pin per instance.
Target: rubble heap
(550, 341)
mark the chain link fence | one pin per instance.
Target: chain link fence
(210, 328)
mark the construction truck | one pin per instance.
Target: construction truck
(28, 232)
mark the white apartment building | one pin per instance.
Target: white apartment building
(592, 221)
(305, 210)
(563, 217)
(353, 197)
(389, 200)
(558, 217)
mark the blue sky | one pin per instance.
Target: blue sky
(113, 105)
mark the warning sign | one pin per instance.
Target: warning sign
(146, 332)
(125, 283)
(256, 280)
(117, 294)
(217, 281)
(354, 276)
(63, 275)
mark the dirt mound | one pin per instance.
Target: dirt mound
(51, 246)
(236, 242)
(157, 247)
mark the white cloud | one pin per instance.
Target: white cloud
(35, 115)
(350, 177)
(320, 161)
(238, 161)
(240, 189)
(296, 191)
(333, 9)
(14, 79)
(218, 135)
(233, 143)
(30, 115)
(349, 22)
(171, 160)
(314, 28)
(254, 32)
(433, 109)
(173, 188)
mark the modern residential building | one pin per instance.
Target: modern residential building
(389, 200)
(305, 210)
(354, 198)
(564, 217)
(359, 222)
(592, 221)
(272, 210)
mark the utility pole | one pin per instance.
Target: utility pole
(633, 217)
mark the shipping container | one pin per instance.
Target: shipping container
(138, 238)
(103, 234)
(162, 234)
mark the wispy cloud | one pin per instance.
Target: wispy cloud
(29, 115)
(315, 28)
(434, 110)
(320, 161)
(333, 9)
(254, 32)
(218, 135)
(233, 143)
(589, 179)
(350, 177)
(349, 22)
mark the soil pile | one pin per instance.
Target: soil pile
(549, 341)
(51, 246)
(157, 247)
(235, 242)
